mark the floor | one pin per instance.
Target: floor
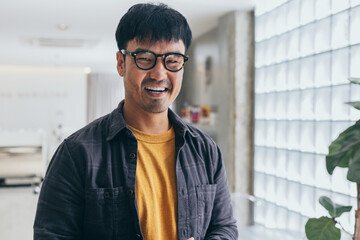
(18, 205)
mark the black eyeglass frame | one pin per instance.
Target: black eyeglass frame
(133, 54)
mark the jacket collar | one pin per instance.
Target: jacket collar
(117, 122)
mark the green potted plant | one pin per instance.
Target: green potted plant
(344, 152)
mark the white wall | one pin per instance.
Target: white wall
(42, 97)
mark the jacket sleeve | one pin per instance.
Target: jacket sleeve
(222, 223)
(59, 213)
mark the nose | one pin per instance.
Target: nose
(159, 72)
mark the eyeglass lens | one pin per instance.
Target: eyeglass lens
(147, 60)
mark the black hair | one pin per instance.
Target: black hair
(152, 22)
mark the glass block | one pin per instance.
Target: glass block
(260, 131)
(307, 104)
(270, 215)
(293, 14)
(270, 25)
(355, 61)
(281, 218)
(340, 30)
(340, 95)
(293, 46)
(293, 107)
(270, 106)
(260, 74)
(260, 185)
(307, 171)
(322, 178)
(294, 196)
(306, 11)
(322, 70)
(322, 35)
(260, 100)
(293, 165)
(281, 192)
(307, 136)
(270, 51)
(270, 79)
(307, 73)
(319, 209)
(270, 161)
(280, 19)
(293, 79)
(339, 5)
(322, 8)
(259, 159)
(322, 103)
(270, 189)
(259, 214)
(260, 28)
(281, 134)
(281, 105)
(294, 222)
(355, 96)
(281, 54)
(340, 66)
(307, 200)
(339, 181)
(294, 135)
(355, 26)
(354, 3)
(322, 137)
(281, 163)
(260, 54)
(307, 38)
(339, 127)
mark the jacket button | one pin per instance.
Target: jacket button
(106, 194)
(132, 155)
(138, 236)
(130, 193)
(128, 133)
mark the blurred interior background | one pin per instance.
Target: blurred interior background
(266, 80)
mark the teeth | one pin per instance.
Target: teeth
(156, 89)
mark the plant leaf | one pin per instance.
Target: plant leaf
(354, 80)
(340, 147)
(354, 167)
(335, 210)
(354, 104)
(322, 229)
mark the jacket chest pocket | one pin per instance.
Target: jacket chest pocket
(205, 202)
(107, 213)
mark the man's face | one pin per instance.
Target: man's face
(150, 90)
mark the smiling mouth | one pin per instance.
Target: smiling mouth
(156, 89)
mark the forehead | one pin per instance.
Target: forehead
(157, 47)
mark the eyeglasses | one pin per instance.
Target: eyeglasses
(145, 59)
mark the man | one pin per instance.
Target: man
(139, 172)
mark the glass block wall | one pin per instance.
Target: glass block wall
(305, 51)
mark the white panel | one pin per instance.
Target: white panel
(293, 79)
(294, 135)
(340, 31)
(307, 37)
(355, 61)
(280, 19)
(271, 189)
(322, 35)
(322, 137)
(280, 76)
(270, 215)
(307, 72)
(339, 5)
(322, 178)
(322, 8)
(270, 106)
(281, 54)
(260, 80)
(260, 28)
(281, 218)
(281, 134)
(260, 54)
(294, 222)
(270, 79)
(293, 14)
(354, 2)
(307, 104)
(260, 100)
(355, 96)
(340, 95)
(260, 185)
(322, 70)
(270, 161)
(340, 66)
(294, 196)
(270, 51)
(322, 104)
(281, 163)
(293, 166)
(339, 181)
(281, 105)
(260, 131)
(259, 159)
(282, 192)
(307, 139)
(307, 171)
(307, 200)
(293, 45)
(355, 26)
(294, 105)
(306, 11)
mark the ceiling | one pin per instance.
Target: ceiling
(30, 33)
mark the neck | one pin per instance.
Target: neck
(154, 123)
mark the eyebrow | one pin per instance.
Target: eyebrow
(147, 50)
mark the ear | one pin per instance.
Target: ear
(120, 63)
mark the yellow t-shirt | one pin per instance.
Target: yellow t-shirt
(156, 185)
